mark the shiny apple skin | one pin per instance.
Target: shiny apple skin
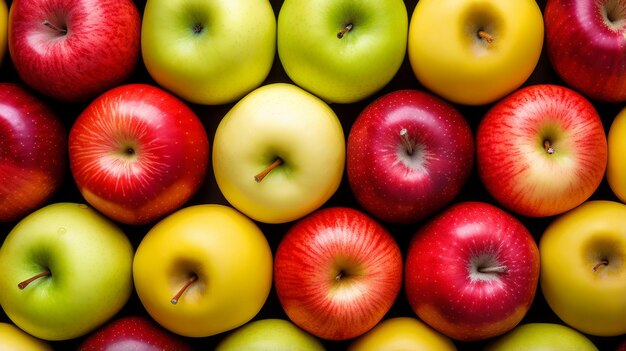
(168, 162)
(99, 51)
(33, 152)
(440, 285)
(311, 257)
(393, 185)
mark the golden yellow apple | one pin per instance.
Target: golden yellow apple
(616, 165)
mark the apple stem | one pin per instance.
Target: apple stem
(49, 24)
(344, 31)
(492, 269)
(407, 142)
(259, 177)
(25, 283)
(548, 147)
(485, 36)
(603, 262)
(176, 297)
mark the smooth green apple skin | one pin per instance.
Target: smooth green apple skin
(13, 338)
(542, 337)
(279, 120)
(342, 70)
(229, 57)
(270, 335)
(90, 260)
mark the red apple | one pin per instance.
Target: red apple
(541, 150)
(408, 155)
(472, 271)
(133, 333)
(74, 49)
(586, 44)
(33, 152)
(138, 153)
(337, 272)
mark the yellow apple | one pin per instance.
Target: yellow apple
(402, 334)
(474, 51)
(616, 167)
(13, 338)
(4, 13)
(583, 267)
(203, 270)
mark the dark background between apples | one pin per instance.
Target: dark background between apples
(209, 192)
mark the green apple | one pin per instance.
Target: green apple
(203, 270)
(66, 270)
(474, 51)
(542, 337)
(13, 338)
(279, 153)
(208, 52)
(270, 335)
(342, 50)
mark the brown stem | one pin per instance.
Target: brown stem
(485, 36)
(176, 297)
(406, 141)
(259, 177)
(548, 147)
(603, 262)
(50, 25)
(25, 283)
(344, 31)
(492, 269)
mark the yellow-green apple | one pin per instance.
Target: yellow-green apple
(583, 267)
(208, 52)
(542, 336)
(541, 150)
(66, 270)
(402, 333)
(203, 270)
(132, 332)
(586, 45)
(474, 52)
(270, 334)
(342, 50)
(616, 167)
(13, 338)
(408, 155)
(279, 153)
(138, 153)
(4, 27)
(472, 271)
(74, 50)
(337, 272)
(33, 152)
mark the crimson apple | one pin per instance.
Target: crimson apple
(586, 44)
(337, 272)
(408, 155)
(74, 50)
(33, 152)
(133, 333)
(472, 271)
(138, 153)
(541, 150)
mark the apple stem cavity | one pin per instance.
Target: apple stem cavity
(548, 147)
(492, 269)
(407, 142)
(61, 31)
(603, 262)
(345, 30)
(485, 36)
(25, 283)
(259, 177)
(180, 293)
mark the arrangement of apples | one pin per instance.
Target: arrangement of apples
(312, 174)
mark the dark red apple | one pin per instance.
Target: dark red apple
(472, 271)
(138, 153)
(33, 152)
(74, 50)
(408, 155)
(337, 272)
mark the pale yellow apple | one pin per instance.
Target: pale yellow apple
(474, 51)
(542, 337)
(227, 254)
(4, 13)
(279, 121)
(583, 267)
(13, 338)
(616, 165)
(402, 334)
